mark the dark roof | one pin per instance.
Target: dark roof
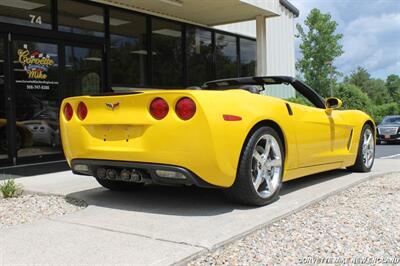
(237, 83)
(290, 7)
(248, 81)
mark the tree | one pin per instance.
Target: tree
(375, 88)
(380, 111)
(393, 87)
(353, 97)
(320, 46)
(377, 91)
(358, 77)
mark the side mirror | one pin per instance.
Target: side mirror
(333, 103)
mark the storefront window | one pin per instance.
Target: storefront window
(167, 53)
(82, 70)
(226, 56)
(248, 51)
(199, 56)
(76, 17)
(37, 98)
(128, 48)
(33, 13)
(3, 121)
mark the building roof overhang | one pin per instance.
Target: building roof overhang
(204, 12)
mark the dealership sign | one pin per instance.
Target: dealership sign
(36, 65)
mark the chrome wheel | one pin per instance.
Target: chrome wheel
(368, 148)
(266, 166)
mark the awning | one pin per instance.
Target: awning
(204, 12)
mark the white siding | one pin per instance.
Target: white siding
(280, 32)
(280, 49)
(280, 44)
(247, 28)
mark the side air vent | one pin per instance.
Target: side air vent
(350, 140)
(289, 109)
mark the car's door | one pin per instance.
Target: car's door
(343, 132)
(320, 135)
(314, 127)
(315, 132)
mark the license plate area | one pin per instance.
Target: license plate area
(115, 133)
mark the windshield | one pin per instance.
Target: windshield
(391, 120)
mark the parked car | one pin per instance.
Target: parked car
(43, 133)
(23, 136)
(389, 129)
(230, 134)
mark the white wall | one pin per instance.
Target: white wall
(280, 32)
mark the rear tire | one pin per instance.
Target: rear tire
(259, 176)
(119, 185)
(366, 151)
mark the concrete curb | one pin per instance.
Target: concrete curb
(185, 261)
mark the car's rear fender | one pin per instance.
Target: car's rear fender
(254, 110)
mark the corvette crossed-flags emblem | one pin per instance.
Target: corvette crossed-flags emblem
(112, 106)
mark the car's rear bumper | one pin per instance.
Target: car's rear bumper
(149, 170)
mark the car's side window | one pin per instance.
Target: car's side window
(301, 99)
(287, 92)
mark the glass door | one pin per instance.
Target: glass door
(4, 149)
(37, 93)
(82, 70)
(42, 74)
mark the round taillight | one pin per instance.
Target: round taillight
(159, 108)
(68, 111)
(82, 110)
(185, 108)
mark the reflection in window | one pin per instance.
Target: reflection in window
(36, 85)
(3, 130)
(284, 91)
(199, 56)
(128, 48)
(33, 13)
(82, 70)
(76, 17)
(226, 56)
(248, 51)
(167, 53)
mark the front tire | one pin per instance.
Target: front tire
(259, 176)
(366, 151)
(119, 185)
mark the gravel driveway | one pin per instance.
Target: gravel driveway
(30, 208)
(361, 223)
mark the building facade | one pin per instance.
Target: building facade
(52, 49)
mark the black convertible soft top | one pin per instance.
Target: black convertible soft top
(237, 83)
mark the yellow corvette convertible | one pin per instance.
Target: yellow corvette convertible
(232, 134)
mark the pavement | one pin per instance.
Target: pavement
(388, 151)
(155, 225)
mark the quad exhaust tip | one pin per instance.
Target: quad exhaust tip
(127, 175)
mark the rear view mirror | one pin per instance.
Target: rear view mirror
(333, 103)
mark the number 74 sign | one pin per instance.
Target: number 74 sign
(35, 19)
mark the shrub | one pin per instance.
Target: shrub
(383, 110)
(298, 100)
(353, 97)
(10, 189)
